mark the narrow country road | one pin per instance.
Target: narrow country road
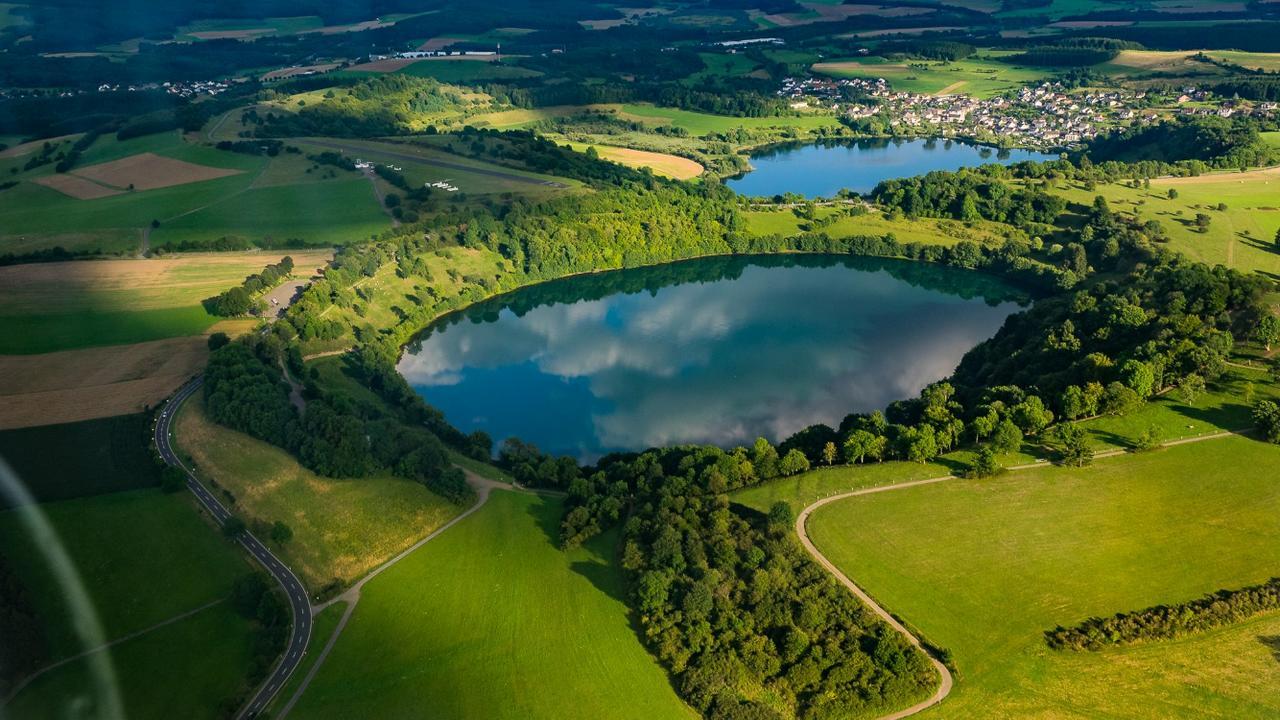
(944, 688)
(299, 605)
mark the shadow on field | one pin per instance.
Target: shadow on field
(1272, 643)
(602, 577)
(1116, 439)
(546, 515)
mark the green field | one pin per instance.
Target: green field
(8, 18)
(335, 212)
(191, 669)
(1241, 237)
(421, 162)
(111, 455)
(144, 557)
(341, 528)
(492, 620)
(271, 26)
(60, 306)
(269, 199)
(30, 334)
(923, 230)
(1060, 8)
(979, 76)
(985, 567)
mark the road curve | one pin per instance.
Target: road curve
(299, 605)
(944, 687)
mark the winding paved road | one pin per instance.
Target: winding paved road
(293, 588)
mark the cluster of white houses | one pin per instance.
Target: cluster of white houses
(1047, 115)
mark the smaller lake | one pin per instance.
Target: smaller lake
(823, 168)
(719, 350)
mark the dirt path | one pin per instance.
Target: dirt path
(138, 633)
(944, 687)
(381, 197)
(483, 487)
(952, 87)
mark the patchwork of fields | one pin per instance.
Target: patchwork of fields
(49, 307)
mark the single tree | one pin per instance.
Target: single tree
(829, 453)
(1173, 194)
(1191, 388)
(1268, 331)
(1148, 439)
(217, 340)
(280, 533)
(794, 463)
(1073, 445)
(1007, 437)
(1266, 416)
(986, 463)
(781, 514)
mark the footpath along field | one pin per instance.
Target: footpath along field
(188, 668)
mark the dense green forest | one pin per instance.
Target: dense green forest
(729, 602)
(243, 390)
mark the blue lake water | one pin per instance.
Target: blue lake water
(719, 351)
(823, 168)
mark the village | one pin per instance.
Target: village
(1047, 116)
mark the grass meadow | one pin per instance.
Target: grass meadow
(144, 557)
(341, 528)
(923, 230)
(983, 568)
(492, 620)
(61, 306)
(1242, 236)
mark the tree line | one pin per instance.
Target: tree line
(244, 390)
(241, 299)
(1166, 622)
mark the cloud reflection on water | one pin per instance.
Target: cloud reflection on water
(719, 362)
